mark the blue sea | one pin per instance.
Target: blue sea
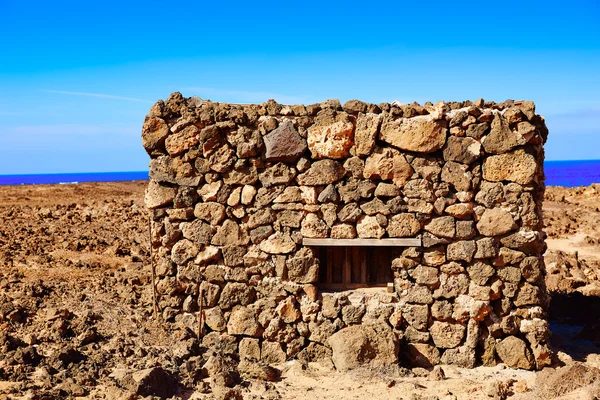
(558, 173)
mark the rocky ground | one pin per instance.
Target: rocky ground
(76, 316)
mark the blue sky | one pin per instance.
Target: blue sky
(78, 77)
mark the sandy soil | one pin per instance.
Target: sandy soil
(76, 312)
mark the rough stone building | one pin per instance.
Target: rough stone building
(372, 234)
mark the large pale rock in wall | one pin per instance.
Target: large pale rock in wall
(367, 127)
(495, 222)
(278, 243)
(388, 164)
(420, 134)
(368, 227)
(158, 195)
(230, 234)
(517, 166)
(322, 172)
(284, 143)
(364, 345)
(303, 267)
(154, 133)
(331, 136)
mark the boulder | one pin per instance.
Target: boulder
(462, 149)
(154, 132)
(368, 227)
(422, 355)
(447, 335)
(388, 164)
(322, 172)
(495, 222)
(284, 143)
(364, 345)
(242, 321)
(515, 353)
(403, 225)
(278, 243)
(158, 195)
(367, 127)
(420, 134)
(516, 166)
(331, 135)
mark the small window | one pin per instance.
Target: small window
(355, 267)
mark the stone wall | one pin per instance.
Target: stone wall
(235, 188)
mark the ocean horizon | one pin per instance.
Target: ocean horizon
(558, 173)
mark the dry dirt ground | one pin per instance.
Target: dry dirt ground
(76, 315)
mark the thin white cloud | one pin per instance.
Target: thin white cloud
(100, 95)
(244, 96)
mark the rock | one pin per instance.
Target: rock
(461, 251)
(528, 295)
(288, 310)
(249, 349)
(350, 213)
(368, 227)
(197, 231)
(314, 227)
(463, 150)
(284, 143)
(355, 106)
(425, 275)
(154, 133)
(416, 315)
(461, 210)
(151, 382)
(442, 227)
(329, 195)
(403, 225)
(278, 174)
(495, 222)
(214, 319)
(352, 314)
(388, 164)
(322, 172)
(209, 191)
(181, 141)
(343, 231)
(271, 353)
(480, 272)
(387, 190)
(516, 166)
(501, 138)
(422, 355)
(241, 175)
(258, 370)
(446, 335)
(303, 267)
(486, 248)
(211, 212)
(490, 193)
(183, 251)
(262, 216)
(420, 134)
(367, 127)
(278, 243)
(364, 345)
(331, 135)
(158, 195)
(230, 234)
(242, 321)
(457, 175)
(515, 353)
(236, 293)
(173, 170)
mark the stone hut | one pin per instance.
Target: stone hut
(371, 234)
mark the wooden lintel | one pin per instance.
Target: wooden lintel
(387, 242)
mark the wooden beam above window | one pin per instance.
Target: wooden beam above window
(386, 242)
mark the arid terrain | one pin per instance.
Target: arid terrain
(76, 316)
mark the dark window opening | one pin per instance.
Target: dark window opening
(355, 267)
